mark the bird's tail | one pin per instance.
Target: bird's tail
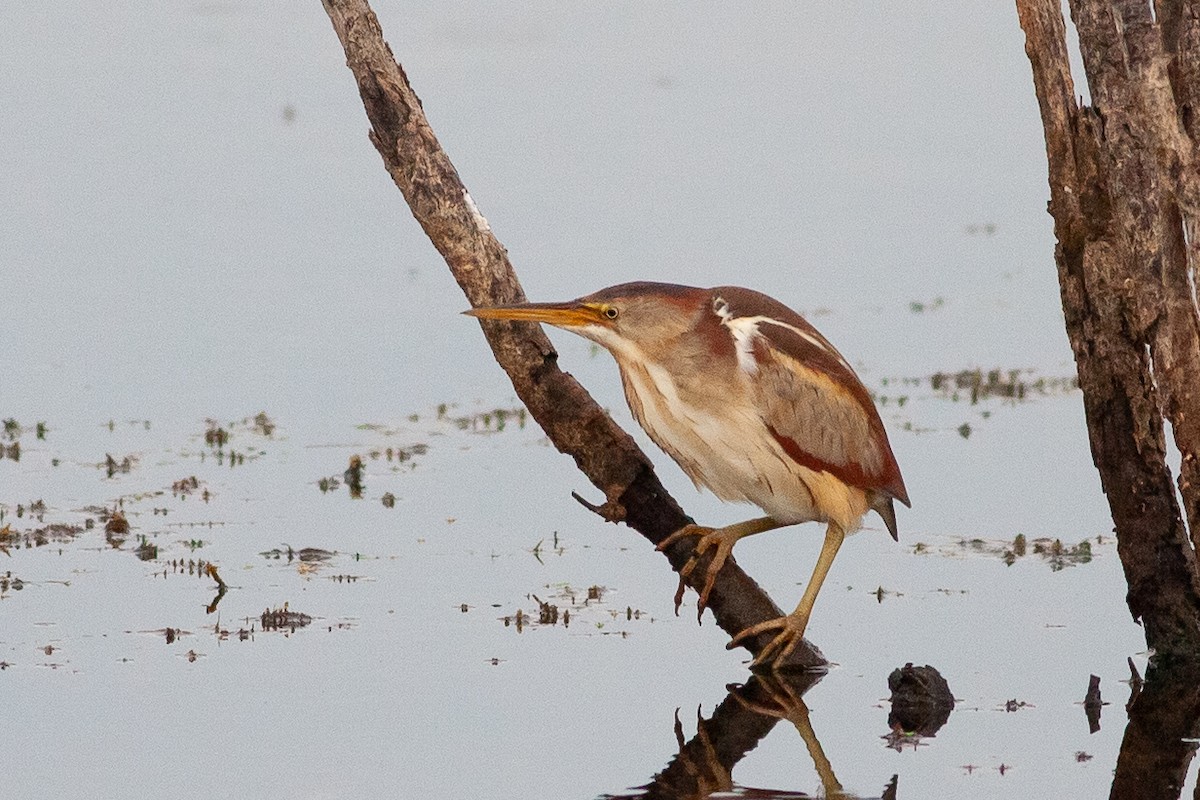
(883, 505)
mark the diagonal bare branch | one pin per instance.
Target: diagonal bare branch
(574, 422)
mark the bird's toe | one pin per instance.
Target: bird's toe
(690, 529)
(755, 630)
(776, 652)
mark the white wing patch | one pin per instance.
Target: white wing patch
(745, 331)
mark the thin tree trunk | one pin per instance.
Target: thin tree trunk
(1123, 193)
(571, 418)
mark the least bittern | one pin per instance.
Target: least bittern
(754, 404)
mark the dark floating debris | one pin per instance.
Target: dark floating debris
(975, 386)
(567, 606)
(1058, 555)
(193, 566)
(1053, 552)
(280, 619)
(211, 570)
(146, 550)
(263, 424)
(308, 555)
(12, 432)
(354, 475)
(215, 436)
(58, 533)
(37, 509)
(547, 612)
(921, 703)
(112, 466)
(356, 471)
(1092, 703)
(406, 453)
(1013, 384)
(493, 421)
(920, 307)
(185, 486)
(8, 582)
(117, 523)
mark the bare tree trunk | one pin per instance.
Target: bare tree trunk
(1124, 194)
(571, 418)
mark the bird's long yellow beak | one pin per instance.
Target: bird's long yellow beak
(573, 314)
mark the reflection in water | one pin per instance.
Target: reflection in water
(1092, 704)
(704, 765)
(1160, 740)
(221, 589)
(354, 476)
(921, 704)
(1160, 737)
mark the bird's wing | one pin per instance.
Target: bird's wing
(818, 410)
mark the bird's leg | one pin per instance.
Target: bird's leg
(788, 704)
(721, 538)
(791, 628)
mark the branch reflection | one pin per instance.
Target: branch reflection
(1160, 741)
(1161, 735)
(704, 765)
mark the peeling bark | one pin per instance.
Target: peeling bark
(1124, 193)
(571, 418)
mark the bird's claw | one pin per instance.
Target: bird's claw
(690, 529)
(709, 538)
(783, 701)
(791, 633)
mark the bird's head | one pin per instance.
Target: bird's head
(628, 319)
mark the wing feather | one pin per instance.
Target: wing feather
(810, 398)
(823, 419)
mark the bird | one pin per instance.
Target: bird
(753, 404)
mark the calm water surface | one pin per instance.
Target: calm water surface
(197, 228)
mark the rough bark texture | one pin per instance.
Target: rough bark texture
(571, 418)
(1124, 194)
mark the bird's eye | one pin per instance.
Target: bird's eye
(610, 312)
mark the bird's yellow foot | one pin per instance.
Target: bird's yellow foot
(721, 538)
(783, 700)
(682, 533)
(791, 633)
